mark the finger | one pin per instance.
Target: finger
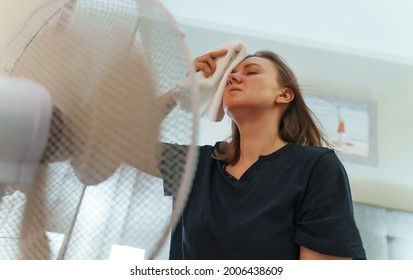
(214, 55)
(199, 61)
(204, 67)
(218, 53)
(207, 70)
(206, 64)
(209, 60)
(212, 66)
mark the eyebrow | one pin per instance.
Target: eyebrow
(248, 65)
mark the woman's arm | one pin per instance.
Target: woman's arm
(307, 254)
(205, 63)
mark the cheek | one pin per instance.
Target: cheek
(261, 85)
(271, 85)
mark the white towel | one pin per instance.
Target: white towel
(211, 89)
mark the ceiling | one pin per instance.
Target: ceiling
(353, 50)
(372, 28)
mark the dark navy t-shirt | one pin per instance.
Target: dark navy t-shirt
(298, 195)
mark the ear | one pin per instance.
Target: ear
(285, 95)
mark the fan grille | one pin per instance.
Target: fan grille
(106, 65)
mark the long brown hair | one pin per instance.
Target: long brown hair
(298, 124)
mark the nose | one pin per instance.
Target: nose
(233, 78)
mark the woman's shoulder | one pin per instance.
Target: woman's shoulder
(174, 148)
(312, 152)
(208, 148)
(310, 149)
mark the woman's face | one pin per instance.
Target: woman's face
(251, 85)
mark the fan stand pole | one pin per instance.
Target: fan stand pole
(63, 21)
(68, 236)
(34, 243)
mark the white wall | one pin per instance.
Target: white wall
(371, 27)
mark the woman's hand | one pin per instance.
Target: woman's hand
(206, 63)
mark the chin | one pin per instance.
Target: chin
(235, 110)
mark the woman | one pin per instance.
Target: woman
(271, 191)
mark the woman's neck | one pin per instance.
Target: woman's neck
(259, 137)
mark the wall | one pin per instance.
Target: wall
(369, 27)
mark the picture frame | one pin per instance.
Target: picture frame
(350, 126)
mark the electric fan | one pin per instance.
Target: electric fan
(106, 65)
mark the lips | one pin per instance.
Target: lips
(233, 89)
